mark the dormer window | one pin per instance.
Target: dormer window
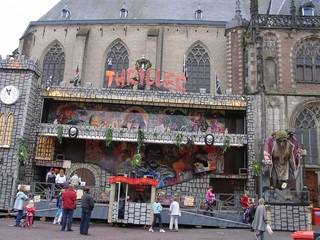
(123, 13)
(65, 13)
(307, 11)
(198, 14)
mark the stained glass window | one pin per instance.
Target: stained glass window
(6, 128)
(307, 130)
(53, 66)
(308, 62)
(198, 69)
(45, 148)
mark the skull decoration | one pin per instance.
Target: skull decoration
(73, 132)
(209, 139)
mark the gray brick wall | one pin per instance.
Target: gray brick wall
(23, 74)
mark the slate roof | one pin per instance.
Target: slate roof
(286, 6)
(213, 10)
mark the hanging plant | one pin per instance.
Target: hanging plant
(226, 143)
(108, 136)
(140, 140)
(59, 131)
(136, 160)
(179, 138)
(256, 168)
(22, 150)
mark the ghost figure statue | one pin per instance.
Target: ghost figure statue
(282, 157)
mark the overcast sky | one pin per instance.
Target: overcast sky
(15, 16)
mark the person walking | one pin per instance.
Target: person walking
(260, 219)
(156, 209)
(19, 204)
(87, 205)
(174, 214)
(210, 200)
(69, 198)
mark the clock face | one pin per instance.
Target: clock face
(9, 94)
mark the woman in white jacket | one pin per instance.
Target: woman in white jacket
(174, 214)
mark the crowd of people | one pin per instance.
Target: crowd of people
(59, 179)
(67, 202)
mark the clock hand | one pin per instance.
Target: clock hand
(8, 91)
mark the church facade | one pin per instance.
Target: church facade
(104, 87)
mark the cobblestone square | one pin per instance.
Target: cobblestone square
(101, 231)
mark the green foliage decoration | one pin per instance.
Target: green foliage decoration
(256, 168)
(22, 150)
(108, 136)
(179, 138)
(59, 131)
(136, 160)
(226, 143)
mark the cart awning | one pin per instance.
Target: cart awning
(133, 181)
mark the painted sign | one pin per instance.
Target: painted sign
(151, 77)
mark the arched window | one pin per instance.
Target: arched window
(53, 65)
(270, 72)
(308, 62)
(117, 59)
(307, 129)
(6, 128)
(198, 69)
(270, 54)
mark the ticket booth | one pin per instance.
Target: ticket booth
(131, 200)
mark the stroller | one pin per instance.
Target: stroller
(29, 215)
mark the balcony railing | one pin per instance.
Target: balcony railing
(130, 135)
(287, 21)
(145, 97)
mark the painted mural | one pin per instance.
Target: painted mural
(166, 163)
(135, 117)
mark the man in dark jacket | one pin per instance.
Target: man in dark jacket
(69, 203)
(87, 204)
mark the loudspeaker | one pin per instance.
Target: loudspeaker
(243, 171)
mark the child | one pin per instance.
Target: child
(156, 209)
(30, 212)
(174, 214)
(58, 216)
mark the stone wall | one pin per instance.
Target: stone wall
(289, 217)
(23, 74)
(195, 187)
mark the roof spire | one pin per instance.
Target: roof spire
(254, 7)
(238, 8)
(293, 8)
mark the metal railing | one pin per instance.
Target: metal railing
(151, 135)
(49, 191)
(197, 203)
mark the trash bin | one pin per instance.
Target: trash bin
(316, 235)
(302, 235)
(314, 210)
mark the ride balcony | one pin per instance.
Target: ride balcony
(175, 111)
(287, 21)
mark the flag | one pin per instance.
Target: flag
(218, 86)
(76, 78)
(184, 67)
